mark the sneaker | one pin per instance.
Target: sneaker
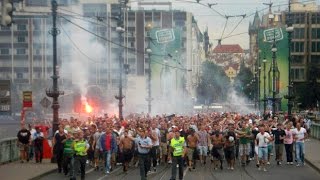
(280, 163)
(155, 169)
(170, 162)
(268, 163)
(264, 169)
(288, 163)
(232, 168)
(108, 172)
(298, 165)
(291, 163)
(177, 165)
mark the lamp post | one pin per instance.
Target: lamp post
(120, 30)
(289, 30)
(259, 81)
(264, 86)
(54, 93)
(149, 51)
(274, 80)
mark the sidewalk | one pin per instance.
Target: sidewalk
(26, 171)
(312, 155)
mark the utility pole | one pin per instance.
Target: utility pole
(149, 51)
(274, 80)
(54, 93)
(120, 31)
(264, 86)
(289, 30)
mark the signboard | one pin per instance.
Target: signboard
(273, 34)
(266, 36)
(27, 99)
(5, 96)
(45, 102)
(165, 35)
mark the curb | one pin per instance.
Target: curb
(312, 165)
(43, 174)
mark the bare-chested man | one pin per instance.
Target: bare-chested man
(126, 147)
(192, 141)
(217, 140)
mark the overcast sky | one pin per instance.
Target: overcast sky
(206, 17)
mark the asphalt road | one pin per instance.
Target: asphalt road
(250, 172)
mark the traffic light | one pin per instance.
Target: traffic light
(6, 12)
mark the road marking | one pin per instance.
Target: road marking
(109, 174)
(185, 172)
(90, 170)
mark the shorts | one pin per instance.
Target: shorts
(203, 150)
(217, 153)
(229, 153)
(263, 153)
(164, 148)
(244, 149)
(190, 153)
(127, 155)
(256, 150)
(24, 147)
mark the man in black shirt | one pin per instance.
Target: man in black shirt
(279, 135)
(23, 143)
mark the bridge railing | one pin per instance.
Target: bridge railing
(315, 130)
(9, 151)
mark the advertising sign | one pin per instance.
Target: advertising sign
(27, 99)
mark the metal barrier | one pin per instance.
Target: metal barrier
(9, 151)
(315, 130)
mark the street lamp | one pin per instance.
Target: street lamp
(120, 97)
(264, 85)
(149, 51)
(54, 93)
(259, 81)
(275, 77)
(289, 30)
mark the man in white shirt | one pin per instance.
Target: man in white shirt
(262, 140)
(155, 137)
(300, 134)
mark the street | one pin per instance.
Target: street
(283, 172)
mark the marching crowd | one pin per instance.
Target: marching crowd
(182, 141)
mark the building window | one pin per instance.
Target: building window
(37, 2)
(298, 74)
(315, 47)
(298, 33)
(19, 75)
(297, 59)
(21, 51)
(315, 59)
(5, 28)
(37, 52)
(4, 51)
(21, 39)
(298, 47)
(22, 27)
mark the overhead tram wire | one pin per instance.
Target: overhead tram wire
(224, 28)
(75, 45)
(236, 26)
(205, 5)
(133, 51)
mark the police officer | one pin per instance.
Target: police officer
(80, 147)
(177, 146)
(143, 144)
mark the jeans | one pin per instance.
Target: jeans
(144, 164)
(177, 160)
(38, 151)
(59, 158)
(289, 150)
(107, 155)
(68, 163)
(300, 152)
(154, 155)
(252, 145)
(279, 151)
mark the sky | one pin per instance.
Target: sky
(207, 17)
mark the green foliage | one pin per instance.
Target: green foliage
(213, 84)
(243, 82)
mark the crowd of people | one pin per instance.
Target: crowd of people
(182, 141)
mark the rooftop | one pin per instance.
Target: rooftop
(228, 48)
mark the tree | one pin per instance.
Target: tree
(213, 84)
(243, 82)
